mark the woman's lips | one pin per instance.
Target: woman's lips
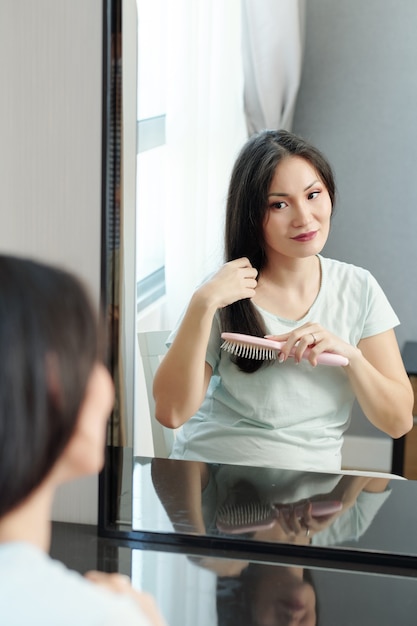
(305, 236)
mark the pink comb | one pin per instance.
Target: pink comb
(250, 347)
(235, 519)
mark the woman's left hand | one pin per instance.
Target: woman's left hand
(309, 341)
(299, 527)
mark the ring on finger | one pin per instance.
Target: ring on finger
(314, 339)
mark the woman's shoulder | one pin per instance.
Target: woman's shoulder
(48, 584)
(342, 269)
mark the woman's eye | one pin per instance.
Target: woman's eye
(313, 195)
(278, 205)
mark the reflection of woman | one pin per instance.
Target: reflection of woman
(289, 413)
(193, 493)
(266, 595)
(55, 399)
(259, 593)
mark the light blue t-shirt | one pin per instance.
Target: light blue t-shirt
(287, 415)
(36, 590)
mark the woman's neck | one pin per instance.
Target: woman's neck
(292, 273)
(289, 289)
(30, 520)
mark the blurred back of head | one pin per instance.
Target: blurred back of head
(48, 347)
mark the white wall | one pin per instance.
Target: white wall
(50, 153)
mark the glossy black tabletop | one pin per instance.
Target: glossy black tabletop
(212, 591)
(206, 588)
(184, 503)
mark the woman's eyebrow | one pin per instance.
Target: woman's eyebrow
(279, 193)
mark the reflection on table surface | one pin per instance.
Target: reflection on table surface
(372, 512)
(209, 591)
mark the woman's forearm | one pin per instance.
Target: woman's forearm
(382, 388)
(350, 486)
(179, 487)
(182, 378)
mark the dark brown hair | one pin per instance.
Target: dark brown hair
(48, 329)
(247, 203)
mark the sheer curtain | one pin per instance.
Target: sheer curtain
(272, 46)
(234, 68)
(205, 128)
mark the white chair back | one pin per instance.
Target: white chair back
(152, 349)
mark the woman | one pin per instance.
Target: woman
(291, 413)
(55, 399)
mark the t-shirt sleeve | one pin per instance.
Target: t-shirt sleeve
(380, 316)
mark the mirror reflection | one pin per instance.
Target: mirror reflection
(231, 591)
(333, 91)
(286, 400)
(354, 511)
(264, 504)
(338, 81)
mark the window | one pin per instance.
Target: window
(151, 152)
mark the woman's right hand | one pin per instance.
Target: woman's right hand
(183, 376)
(235, 280)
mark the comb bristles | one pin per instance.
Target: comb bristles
(249, 352)
(234, 518)
(243, 514)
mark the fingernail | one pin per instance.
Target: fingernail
(281, 358)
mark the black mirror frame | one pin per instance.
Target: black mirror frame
(110, 477)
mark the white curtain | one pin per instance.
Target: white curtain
(234, 68)
(273, 42)
(205, 127)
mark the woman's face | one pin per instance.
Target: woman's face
(284, 599)
(297, 220)
(85, 451)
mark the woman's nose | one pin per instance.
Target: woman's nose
(302, 213)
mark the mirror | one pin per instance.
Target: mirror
(356, 101)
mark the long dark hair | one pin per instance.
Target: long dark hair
(48, 347)
(247, 204)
